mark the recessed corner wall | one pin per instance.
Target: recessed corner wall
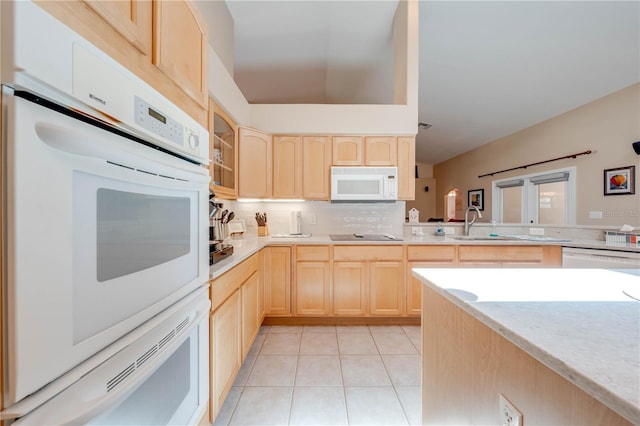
(607, 126)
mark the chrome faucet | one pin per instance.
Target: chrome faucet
(468, 224)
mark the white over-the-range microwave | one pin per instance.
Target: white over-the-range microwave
(364, 183)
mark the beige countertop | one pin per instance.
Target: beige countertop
(246, 246)
(578, 322)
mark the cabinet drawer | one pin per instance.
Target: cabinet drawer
(312, 253)
(222, 287)
(367, 252)
(503, 253)
(436, 253)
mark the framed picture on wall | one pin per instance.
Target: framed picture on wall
(620, 181)
(476, 198)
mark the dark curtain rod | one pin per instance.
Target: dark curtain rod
(535, 164)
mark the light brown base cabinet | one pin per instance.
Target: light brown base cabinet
(277, 280)
(251, 319)
(236, 316)
(350, 289)
(425, 257)
(226, 356)
(367, 281)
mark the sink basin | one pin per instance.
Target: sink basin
(510, 238)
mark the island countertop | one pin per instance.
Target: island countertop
(583, 324)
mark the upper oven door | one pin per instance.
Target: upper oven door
(103, 233)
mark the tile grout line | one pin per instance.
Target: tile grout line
(340, 355)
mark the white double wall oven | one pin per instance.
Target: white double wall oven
(105, 219)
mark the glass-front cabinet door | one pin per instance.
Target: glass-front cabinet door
(222, 140)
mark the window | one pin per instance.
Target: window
(546, 198)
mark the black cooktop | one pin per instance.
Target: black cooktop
(219, 251)
(363, 237)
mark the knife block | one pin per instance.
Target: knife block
(263, 231)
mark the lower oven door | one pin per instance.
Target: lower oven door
(103, 233)
(159, 379)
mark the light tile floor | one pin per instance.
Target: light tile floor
(328, 375)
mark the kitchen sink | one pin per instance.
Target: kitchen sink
(510, 238)
(363, 237)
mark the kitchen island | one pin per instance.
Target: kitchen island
(562, 345)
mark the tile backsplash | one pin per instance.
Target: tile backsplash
(322, 217)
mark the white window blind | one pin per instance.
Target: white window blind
(550, 178)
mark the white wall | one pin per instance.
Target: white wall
(400, 119)
(327, 119)
(225, 91)
(606, 126)
(220, 30)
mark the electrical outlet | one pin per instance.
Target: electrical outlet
(595, 215)
(536, 231)
(448, 230)
(312, 218)
(509, 414)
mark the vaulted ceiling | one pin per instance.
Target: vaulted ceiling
(487, 69)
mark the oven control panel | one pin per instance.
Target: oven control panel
(159, 123)
(132, 105)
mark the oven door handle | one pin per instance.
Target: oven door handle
(116, 149)
(75, 405)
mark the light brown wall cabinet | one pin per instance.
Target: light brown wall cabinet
(316, 167)
(162, 42)
(406, 168)
(180, 46)
(255, 164)
(348, 151)
(131, 19)
(277, 281)
(223, 167)
(380, 151)
(287, 167)
(300, 166)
